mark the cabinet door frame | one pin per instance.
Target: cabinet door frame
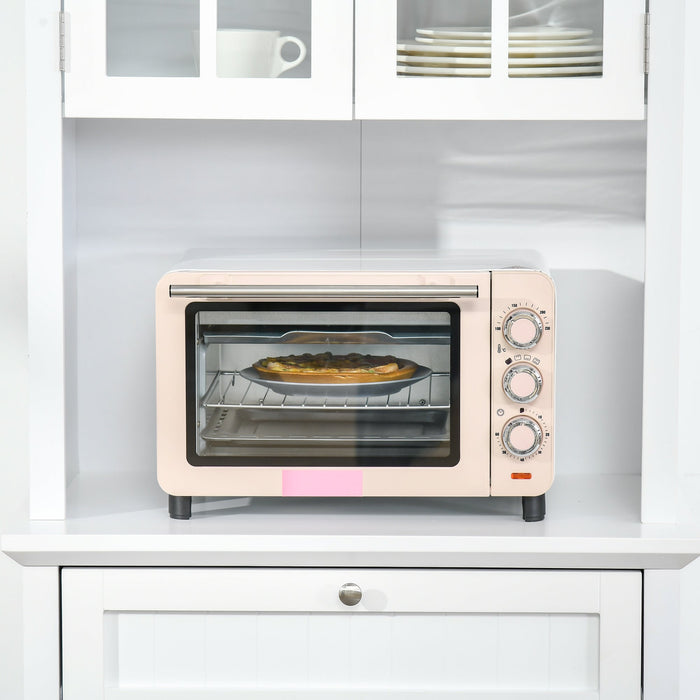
(90, 92)
(381, 94)
(88, 593)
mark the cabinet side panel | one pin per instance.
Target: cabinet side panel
(621, 635)
(83, 634)
(45, 264)
(40, 610)
(663, 265)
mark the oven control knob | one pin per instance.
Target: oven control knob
(522, 329)
(522, 383)
(522, 436)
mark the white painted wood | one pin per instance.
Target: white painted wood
(293, 589)
(662, 321)
(381, 94)
(136, 661)
(574, 651)
(178, 641)
(331, 649)
(334, 694)
(13, 349)
(45, 310)
(592, 523)
(689, 334)
(231, 650)
(327, 94)
(372, 638)
(689, 633)
(70, 296)
(207, 33)
(522, 663)
(282, 642)
(83, 672)
(620, 635)
(41, 633)
(472, 657)
(662, 617)
(284, 615)
(449, 651)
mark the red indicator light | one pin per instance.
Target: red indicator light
(521, 475)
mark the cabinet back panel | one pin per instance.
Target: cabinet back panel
(147, 191)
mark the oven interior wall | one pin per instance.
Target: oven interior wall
(141, 193)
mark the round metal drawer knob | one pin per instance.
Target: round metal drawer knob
(350, 594)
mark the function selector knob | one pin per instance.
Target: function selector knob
(522, 436)
(523, 329)
(522, 383)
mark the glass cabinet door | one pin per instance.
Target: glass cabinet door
(500, 59)
(248, 59)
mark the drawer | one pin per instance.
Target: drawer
(147, 634)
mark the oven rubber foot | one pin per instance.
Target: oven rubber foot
(533, 508)
(180, 507)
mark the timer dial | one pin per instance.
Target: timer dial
(522, 329)
(522, 383)
(522, 436)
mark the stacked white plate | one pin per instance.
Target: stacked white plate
(537, 51)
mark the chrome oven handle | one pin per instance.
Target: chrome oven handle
(223, 291)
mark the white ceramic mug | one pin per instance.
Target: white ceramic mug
(254, 53)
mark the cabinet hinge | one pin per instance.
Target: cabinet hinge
(647, 39)
(62, 60)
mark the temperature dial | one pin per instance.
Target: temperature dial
(523, 329)
(522, 383)
(522, 436)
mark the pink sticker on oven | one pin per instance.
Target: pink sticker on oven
(319, 482)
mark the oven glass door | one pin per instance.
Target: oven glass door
(399, 406)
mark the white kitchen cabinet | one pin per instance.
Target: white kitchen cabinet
(566, 60)
(589, 64)
(116, 518)
(291, 633)
(154, 59)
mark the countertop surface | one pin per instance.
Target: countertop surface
(592, 522)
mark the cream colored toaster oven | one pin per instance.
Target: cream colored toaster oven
(355, 375)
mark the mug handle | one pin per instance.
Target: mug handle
(286, 65)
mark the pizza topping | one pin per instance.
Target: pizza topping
(328, 363)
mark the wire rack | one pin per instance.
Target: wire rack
(230, 390)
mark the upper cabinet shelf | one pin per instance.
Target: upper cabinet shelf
(413, 59)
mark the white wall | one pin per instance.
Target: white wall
(13, 346)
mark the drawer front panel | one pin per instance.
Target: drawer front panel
(281, 633)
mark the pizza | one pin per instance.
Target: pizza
(328, 368)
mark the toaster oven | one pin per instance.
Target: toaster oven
(429, 375)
